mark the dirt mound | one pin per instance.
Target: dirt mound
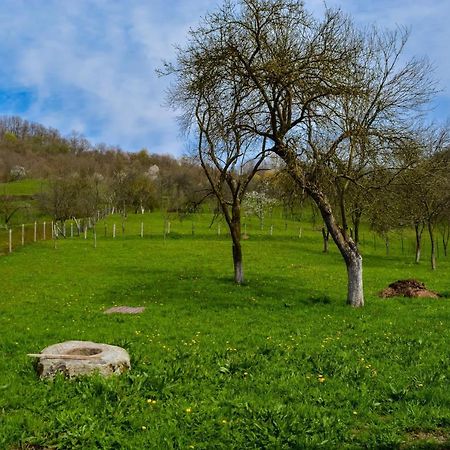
(407, 288)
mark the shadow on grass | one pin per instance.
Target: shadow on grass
(199, 289)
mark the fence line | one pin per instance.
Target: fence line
(34, 232)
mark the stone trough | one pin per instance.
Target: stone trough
(75, 358)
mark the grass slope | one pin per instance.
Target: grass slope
(28, 186)
(280, 362)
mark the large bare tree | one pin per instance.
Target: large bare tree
(333, 102)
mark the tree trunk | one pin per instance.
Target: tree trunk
(326, 237)
(445, 238)
(418, 229)
(355, 292)
(237, 262)
(348, 249)
(235, 229)
(433, 247)
(356, 219)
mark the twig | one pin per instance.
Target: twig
(52, 356)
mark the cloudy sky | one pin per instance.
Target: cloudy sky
(89, 65)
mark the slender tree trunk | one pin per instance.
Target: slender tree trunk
(343, 214)
(418, 229)
(326, 237)
(235, 229)
(356, 219)
(433, 246)
(445, 238)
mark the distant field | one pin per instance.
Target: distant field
(22, 187)
(280, 362)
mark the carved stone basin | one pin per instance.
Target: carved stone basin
(75, 358)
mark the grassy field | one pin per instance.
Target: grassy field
(280, 362)
(29, 186)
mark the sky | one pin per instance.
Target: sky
(89, 66)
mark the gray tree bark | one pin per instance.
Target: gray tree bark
(418, 229)
(355, 292)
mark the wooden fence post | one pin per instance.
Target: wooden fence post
(35, 232)
(44, 231)
(54, 235)
(142, 229)
(23, 234)
(10, 240)
(114, 231)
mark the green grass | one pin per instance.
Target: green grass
(280, 362)
(23, 187)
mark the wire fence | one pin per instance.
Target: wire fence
(117, 227)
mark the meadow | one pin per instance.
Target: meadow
(278, 363)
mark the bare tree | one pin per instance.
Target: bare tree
(215, 104)
(332, 102)
(427, 187)
(230, 161)
(9, 207)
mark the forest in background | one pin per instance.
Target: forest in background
(73, 178)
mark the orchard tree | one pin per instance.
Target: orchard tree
(215, 104)
(9, 207)
(429, 184)
(259, 203)
(330, 100)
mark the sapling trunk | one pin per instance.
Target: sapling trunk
(433, 246)
(326, 237)
(418, 230)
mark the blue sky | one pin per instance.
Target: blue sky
(89, 65)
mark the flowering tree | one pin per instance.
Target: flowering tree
(259, 204)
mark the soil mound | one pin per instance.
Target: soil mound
(407, 288)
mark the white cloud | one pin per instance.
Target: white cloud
(91, 64)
